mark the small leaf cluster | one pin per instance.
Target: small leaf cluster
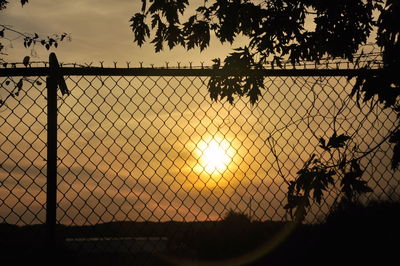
(17, 88)
(275, 28)
(334, 141)
(236, 80)
(29, 40)
(164, 20)
(318, 176)
(47, 42)
(386, 84)
(311, 181)
(4, 3)
(351, 183)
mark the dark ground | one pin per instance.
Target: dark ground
(352, 235)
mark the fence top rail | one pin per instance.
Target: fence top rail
(206, 72)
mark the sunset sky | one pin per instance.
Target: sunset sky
(99, 31)
(157, 148)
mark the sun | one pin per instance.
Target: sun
(214, 155)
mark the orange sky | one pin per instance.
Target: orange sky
(130, 148)
(162, 134)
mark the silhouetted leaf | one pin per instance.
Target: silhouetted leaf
(356, 63)
(160, 37)
(255, 85)
(174, 36)
(352, 184)
(238, 82)
(322, 180)
(144, 2)
(322, 141)
(139, 28)
(337, 141)
(298, 204)
(19, 85)
(323, 144)
(205, 11)
(168, 9)
(25, 61)
(197, 34)
(155, 19)
(342, 163)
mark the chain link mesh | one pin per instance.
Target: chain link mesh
(143, 149)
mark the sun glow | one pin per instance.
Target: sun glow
(214, 156)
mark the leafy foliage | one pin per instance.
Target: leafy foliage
(385, 86)
(351, 183)
(197, 32)
(334, 142)
(142, 30)
(30, 40)
(166, 31)
(340, 27)
(235, 81)
(46, 42)
(318, 176)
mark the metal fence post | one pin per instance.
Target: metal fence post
(51, 201)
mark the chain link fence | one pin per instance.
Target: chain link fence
(144, 161)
